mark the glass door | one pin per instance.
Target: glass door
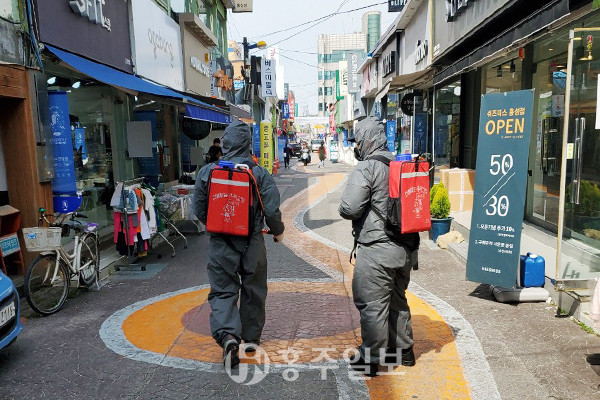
(579, 212)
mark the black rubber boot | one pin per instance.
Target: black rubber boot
(231, 348)
(251, 345)
(407, 359)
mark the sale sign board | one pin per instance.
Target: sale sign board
(500, 185)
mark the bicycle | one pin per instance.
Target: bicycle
(48, 278)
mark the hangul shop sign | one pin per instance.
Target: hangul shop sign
(500, 181)
(242, 6)
(269, 82)
(223, 81)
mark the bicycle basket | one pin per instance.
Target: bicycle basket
(42, 239)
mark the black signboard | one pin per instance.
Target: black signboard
(407, 104)
(195, 129)
(396, 5)
(97, 30)
(500, 183)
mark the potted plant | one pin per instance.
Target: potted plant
(440, 211)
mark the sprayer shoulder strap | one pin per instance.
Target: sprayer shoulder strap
(379, 157)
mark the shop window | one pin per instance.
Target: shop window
(549, 80)
(447, 127)
(503, 75)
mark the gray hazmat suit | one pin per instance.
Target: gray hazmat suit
(382, 270)
(239, 263)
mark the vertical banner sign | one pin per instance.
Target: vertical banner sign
(266, 145)
(420, 135)
(285, 110)
(80, 142)
(292, 104)
(296, 110)
(62, 143)
(391, 134)
(338, 95)
(500, 183)
(280, 146)
(256, 140)
(268, 83)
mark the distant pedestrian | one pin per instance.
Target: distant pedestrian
(383, 263)
(239, 263)
(287, 153)
(214, 151)
(322, 155)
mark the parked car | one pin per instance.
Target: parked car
(315, 144)
(296, 147)
(10, 312)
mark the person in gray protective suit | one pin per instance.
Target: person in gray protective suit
(239, 263)
(383, 260)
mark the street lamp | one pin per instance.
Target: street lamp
(248, 46)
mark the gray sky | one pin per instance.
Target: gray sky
(273, 15)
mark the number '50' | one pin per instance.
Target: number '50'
(496, 167)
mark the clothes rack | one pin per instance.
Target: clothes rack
(131, 262)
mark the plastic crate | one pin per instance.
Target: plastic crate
(42, 239)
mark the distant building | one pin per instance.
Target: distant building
(332, 49)
(371, 25)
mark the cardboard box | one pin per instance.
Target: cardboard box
(460, 184)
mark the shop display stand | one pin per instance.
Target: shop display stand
(132, 261)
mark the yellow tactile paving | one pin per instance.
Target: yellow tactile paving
(438, 374)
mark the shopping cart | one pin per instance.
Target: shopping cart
(168, 208)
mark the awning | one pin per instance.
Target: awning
(206, 114)
(415, 78)
(114, 77)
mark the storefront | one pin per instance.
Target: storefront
(103, 97)
(555, 53)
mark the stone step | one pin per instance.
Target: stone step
(460, 250)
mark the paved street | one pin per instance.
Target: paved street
(146, 335)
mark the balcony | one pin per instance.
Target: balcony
(194, 24)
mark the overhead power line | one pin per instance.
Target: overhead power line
(318, 21)
(301, 62)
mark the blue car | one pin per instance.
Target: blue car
(10, 320)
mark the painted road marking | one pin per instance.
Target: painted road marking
(126, 331)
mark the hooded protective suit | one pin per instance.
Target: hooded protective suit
(382, 270)
(239, 263)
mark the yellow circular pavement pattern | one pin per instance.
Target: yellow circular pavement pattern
(161, 327)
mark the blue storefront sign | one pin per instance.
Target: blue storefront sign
(256, 139)
(420, 136)
(280, 147)
(285, 111)
(500, 187)
(9, 244)
(345, 131)
(391, 134)
(62, 143)
(80, 142)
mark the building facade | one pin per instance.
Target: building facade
(333, 50)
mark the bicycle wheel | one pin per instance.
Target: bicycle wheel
(45, 292)
(89, 254)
